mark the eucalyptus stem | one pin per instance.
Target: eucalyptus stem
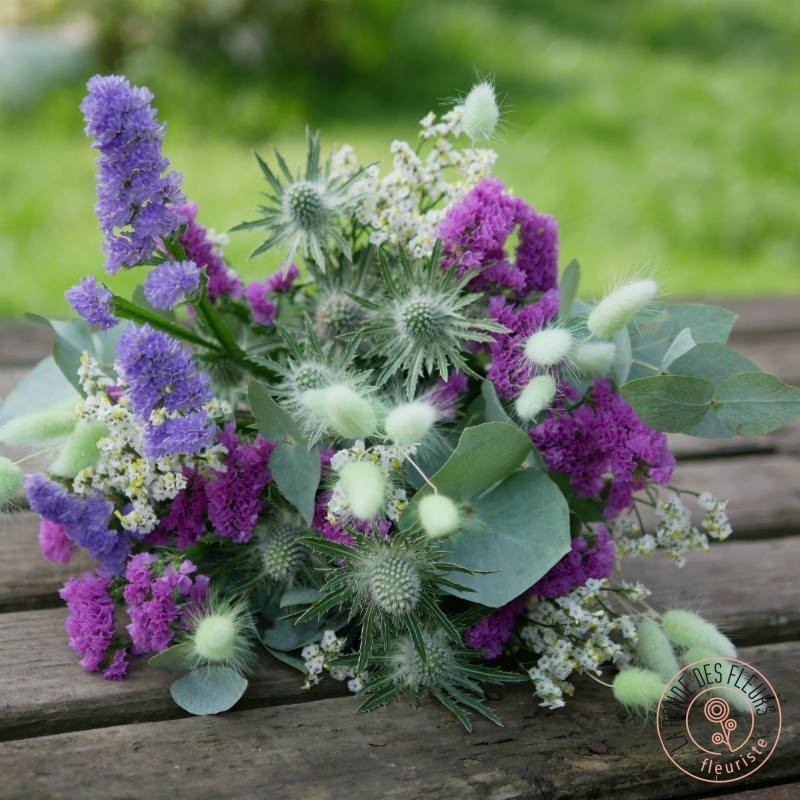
(644, 364)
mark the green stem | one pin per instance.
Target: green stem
(128, 310)
(644, 364)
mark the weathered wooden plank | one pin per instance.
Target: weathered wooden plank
(785, 440)
(23, 343)
(322, 750)
(763, 490)
(749, 588)
(43, 690)
(789, 791)
(761, 316)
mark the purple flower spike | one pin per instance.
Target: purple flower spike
(93, 302)
(134, 197)
(171, 282)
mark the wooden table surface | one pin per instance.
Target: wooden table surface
(67, 733)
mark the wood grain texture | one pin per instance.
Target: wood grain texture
(323, 751)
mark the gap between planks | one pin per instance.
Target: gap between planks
(324, 751)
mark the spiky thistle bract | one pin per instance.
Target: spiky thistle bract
(436, 666)
(393, 585)
(420, 325)
(304, 210)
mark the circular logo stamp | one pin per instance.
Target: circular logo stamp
(719, 720)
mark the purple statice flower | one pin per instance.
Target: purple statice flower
(158, 603)
(186, 515)
(54, 542)
(476, 230)
(93, 302)
(170, 282)
(494, 630)
(199, 247)
(510, 370)
(187, 434)
(159, 372)
(134, 197)
(234, 496)
(600, 437)
(283, 279)
(84, 519)
(118, 667)
(577, 566)
(262, 309)
(90, 619)
(444, 394)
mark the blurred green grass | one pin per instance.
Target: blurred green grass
(662, 136)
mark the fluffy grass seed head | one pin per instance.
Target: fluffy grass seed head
(410, 423)
(221, 634)
(593, 358)
(548, 347)
(687, 629)
(535, 397)
(306, 209)
(41, 427)
(80, 450)
(420, 326)
(480, 112)
(438, 516)
(617, 309)
(11, 479)
(364, 486)
(639, 690)
(655, 650)
(342, 408)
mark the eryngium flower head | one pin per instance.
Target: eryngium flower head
(282, 553)
(133, 194)
(421, 326)
(305, 209)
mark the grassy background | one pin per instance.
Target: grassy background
(662, 135)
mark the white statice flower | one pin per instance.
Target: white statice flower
(121, 465)
(574, 632)
(715, 516)
(317, 657)
(389, 459)
(404, 207)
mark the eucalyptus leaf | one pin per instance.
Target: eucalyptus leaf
(296, 471)
(651, 341)
(179, 656)
(299, 597)
(286, 658)
(208, 690)
(70, 340)
(284, 635)
(44, 386)
(484, 455)
(681, 344)
(753, 403)
(517, 532)
(273, 422)
(713, 361)
(623, 357)
(568, 289)
(493, 409)
(671, 403)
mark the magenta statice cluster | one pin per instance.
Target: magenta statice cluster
(135, 194)
(199, 248)
(159, 602)
(475, 233)
(579, 565)
(259, 293)
(603, 436)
